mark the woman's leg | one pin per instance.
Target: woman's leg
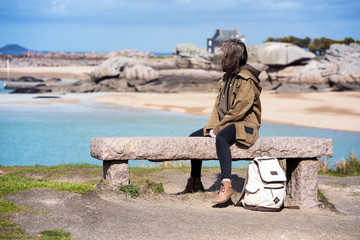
(223, 141)
(196, 164)
(194, 183)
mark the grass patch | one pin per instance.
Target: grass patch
(8, 208)
(52, 171)
(154, 186)
(8, 229)
(55, 234)
(8, 224)
(14, 184)
(16, 180)
(130, 190)
(344, 168)
(46, 235)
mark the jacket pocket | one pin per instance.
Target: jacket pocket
(246, 133)
(251, 132)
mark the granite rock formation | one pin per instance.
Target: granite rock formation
(278, 53)
(339, 69)
(193, 69)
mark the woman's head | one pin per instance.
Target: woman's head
(234, 55)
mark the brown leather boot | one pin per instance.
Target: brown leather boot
(193, 185)
(224, 193)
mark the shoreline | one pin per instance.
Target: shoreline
(329, 110)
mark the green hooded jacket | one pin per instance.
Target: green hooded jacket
(243, 106)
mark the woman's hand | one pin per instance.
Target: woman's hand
(212, 134)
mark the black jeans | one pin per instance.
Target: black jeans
(224, 139)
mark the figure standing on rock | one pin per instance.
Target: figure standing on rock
(236, 116)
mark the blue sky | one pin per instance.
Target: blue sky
(158, 25)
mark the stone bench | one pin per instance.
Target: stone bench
(301, 154)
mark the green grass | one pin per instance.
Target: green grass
(16, 179)
(8, 208)
(154, 186)
(53, 171)
(130, 190)
(11, 230)
(8, 229)
(14, 184)
(55, 235)
(46, 235)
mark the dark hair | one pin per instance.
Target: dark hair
(234, 55)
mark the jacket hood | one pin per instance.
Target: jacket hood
(252, 70)
(249, 71)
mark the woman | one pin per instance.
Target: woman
(236, 116)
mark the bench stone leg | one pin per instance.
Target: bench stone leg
(116, 172)
(302, 180)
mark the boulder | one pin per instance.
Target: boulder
(86, 87)
(283, 74)
(140, 74)
(187, 50)
(193, 62)
(309, 74)
(193, 75)
(181, 80)
(110, 68)
(114, 85)
(277, 53)
(191, 56)
(344, 64)
(338, 68)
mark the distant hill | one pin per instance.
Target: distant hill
(13, 49)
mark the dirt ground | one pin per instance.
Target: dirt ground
(108, 214)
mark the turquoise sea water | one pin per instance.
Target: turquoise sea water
(2, 89)
(61, 133)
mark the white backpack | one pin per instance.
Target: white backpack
(264, 187)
